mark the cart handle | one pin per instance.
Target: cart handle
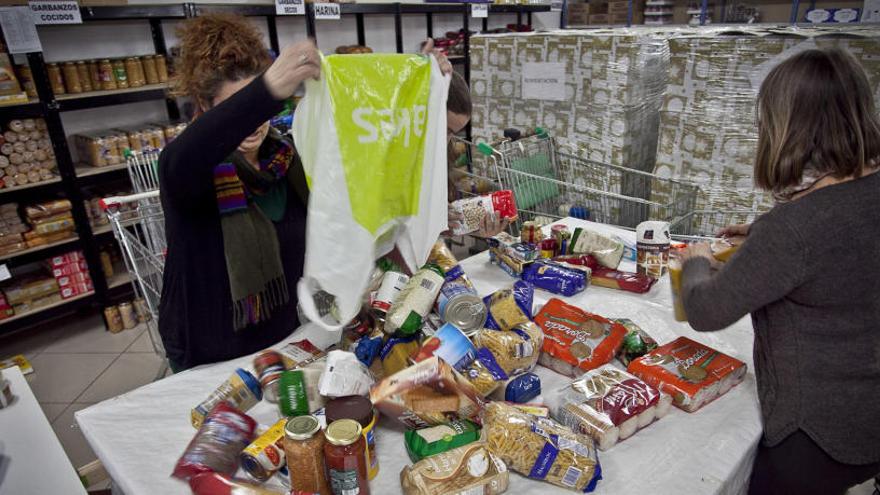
(115, 201)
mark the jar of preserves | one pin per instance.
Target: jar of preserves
(304, 447)
(150, 73)
(135, 74)
(55, 79)
(27, 80)
(105, 71)
(346, 459)
(85, 80)
(71, 78)
(94, 74)
(161, 68)
(119, 74)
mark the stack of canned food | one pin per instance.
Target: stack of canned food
(127, 315)
(83, 76)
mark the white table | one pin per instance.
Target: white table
(32, 461)
(139, 435)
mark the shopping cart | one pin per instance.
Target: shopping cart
(140, 232)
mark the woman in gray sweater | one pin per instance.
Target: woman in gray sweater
(809, 274)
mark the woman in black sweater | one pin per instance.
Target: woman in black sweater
(234, 196)
(808, 274)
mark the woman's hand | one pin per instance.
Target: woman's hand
(741, 229)
(698, 250)
(445, 65)
(456, 218)
(295, 64)
(491, 225)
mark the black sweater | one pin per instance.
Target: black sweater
(809, 273)
(195, 313)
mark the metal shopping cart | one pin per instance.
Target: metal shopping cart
(140, 233)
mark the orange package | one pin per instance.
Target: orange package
(576, 341)
(692, 373)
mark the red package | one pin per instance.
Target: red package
(225, 432)
(575, 340)
(504, 204)
(578, 259)
(692, 373)
(76, 290)
(70, 269)
(631, 282)
(74, 278)
(220, 484)
(71, 257)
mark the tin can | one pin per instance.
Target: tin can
(105, 72)
(265, 455)
(292, 398)
(269, 365)
(460, 305)
(82, 71)
(119, 74)
(142, 310)
(27, 80)
(71, 78)
(241, 390)
(94, 74)
(392, 284)
(652, 248)
(55, 79)
(548, 247)
(135, 72)
(161, 68)
(150, 73)
(129, 319)
(113, 319)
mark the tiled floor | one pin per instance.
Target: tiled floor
(78, 363)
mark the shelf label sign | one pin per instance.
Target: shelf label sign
(327, 11)
(480, 10)
(19, 30)
(543, 81)
(290, 7)
(55, 11)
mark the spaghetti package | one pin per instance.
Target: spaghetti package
(541, 448)
(608, 405)
(426, 394)
(692, 373)
(470, 469)
(575, 340)
(515, 350)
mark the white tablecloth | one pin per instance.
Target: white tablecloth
(139, 435)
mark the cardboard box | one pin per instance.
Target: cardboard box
(599, 19)
(73, 279)
(75, 290)
(70, 269)
(65, 259)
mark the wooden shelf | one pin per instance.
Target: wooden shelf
(119, 279)
(47, 307)
(37, 249)
(83, 170)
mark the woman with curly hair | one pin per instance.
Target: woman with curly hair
(234, 195)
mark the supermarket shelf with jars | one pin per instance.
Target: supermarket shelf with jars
(95, 99)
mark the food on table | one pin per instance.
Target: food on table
(630, 282)
(414, 302)
(516, 350)
(575, 340)
(692, 373)
(541, 448)
(304, 449)
(557, 278)
(425, 442)
(269, 365)
(459, 304)
(474, 209)
(519, 389)
(241, 390)
(450, 345)
(637, 342)
(652, 248)
(344, 375)
(265, 455)
(484, 373)
(361, 410)
(523, 296)
(470, 469)
(300, 353)
(223, 434)
(293, 395)
(345, 458)
(392, 283)
(221, 484)
(608, 252)
(609, 405)
(396, 352)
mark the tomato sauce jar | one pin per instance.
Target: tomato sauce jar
(345, 457)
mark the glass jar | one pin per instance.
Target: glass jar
(150, 74)
(71, 78)
(55, 79)
(119, 74)
(361, 410)
(85, 80)
(161, 68)
(304, 448)
(94, 74)
(135, 72)
(345, 456)
(105, 70)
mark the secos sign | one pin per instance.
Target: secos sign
(55, 12)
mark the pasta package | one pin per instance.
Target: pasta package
(470, 469)
(541, 448)
(692, 373)
(516, 350)
(426, 394)
(558, 278)
(519, 389)
(511, 266)
(609, 405)
(608, 252)
(484, 373)
(510, 307)
(575, 340)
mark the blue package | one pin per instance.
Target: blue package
(555, 278)
(522, 388)
(523, 294)
(367, 348)
(487, 359)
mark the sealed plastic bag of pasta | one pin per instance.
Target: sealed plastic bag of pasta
(541, 448)
(471, 468)
(515, 350)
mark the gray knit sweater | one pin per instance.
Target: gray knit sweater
(809, 274)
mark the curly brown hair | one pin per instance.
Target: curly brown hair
(216, 48)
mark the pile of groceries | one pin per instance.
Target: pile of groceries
(457, 370)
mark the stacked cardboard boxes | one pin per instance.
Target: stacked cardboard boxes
(72, 274)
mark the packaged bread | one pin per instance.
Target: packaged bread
(692, 373)
(575, 340)
(608, 405)
(541, 448)
(607, 251)
(47, 209)
(469, 469)
(515, 350)
(100, 149)
(427, 393)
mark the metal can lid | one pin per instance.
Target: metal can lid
(353, 407)
(466, 312)
(302, 427)
(343, 432)
(252, 383)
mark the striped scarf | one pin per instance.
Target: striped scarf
(253, 261)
